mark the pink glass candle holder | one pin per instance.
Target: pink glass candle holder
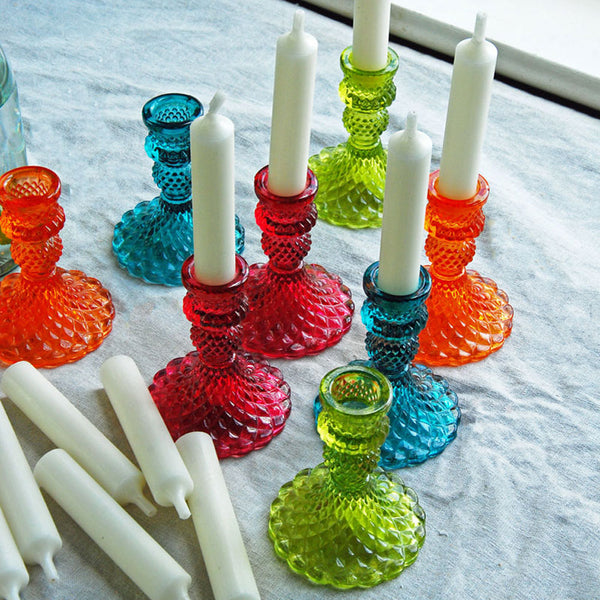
(240, 401)
(469, 317)
(48, 316)
(295, 309)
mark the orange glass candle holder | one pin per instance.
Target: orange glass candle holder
(48, 316)
(469, 317)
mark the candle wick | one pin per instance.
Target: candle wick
(217, 101)
(411, 123)
(298, 25)
(480, 25)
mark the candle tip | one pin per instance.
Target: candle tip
(13, 594)
(298, 25)
(144, 504)
(48, 567)
(480, 24)
(183, 510)
(411, 123)
(217, 101)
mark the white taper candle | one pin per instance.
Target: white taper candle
(70, 430)
(214, 519)
(136, 553)
(13, 574)
(293, 91)
(370, 34)
(24, 508)
(150, 440)
(405, 198)
(468, 107)
(213, 195)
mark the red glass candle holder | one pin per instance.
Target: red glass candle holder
(240, 401)
(295, 309)
(469, 317)
(48, 316)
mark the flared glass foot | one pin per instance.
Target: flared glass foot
(54, 321)
(295, 314)
(469, 318)
(351, 185)
(242, 407)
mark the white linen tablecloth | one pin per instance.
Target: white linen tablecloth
(513, 509)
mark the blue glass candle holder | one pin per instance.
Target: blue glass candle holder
(153, 240)
(424, 416)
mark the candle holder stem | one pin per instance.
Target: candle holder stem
(469, 317)
(48, 316)
(352, 175)
(153, 239)
(240, 401)
(295, 309)
(345, 523)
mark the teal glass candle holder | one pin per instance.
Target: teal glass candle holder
(153, 240)
(346, 523)
(352, 175)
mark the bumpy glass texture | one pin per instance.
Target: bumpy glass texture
(241, 402)
(352, 175)
(424, 416)
(48, 316)
(154, 239)
(346, 523)
(294, 309)
(469, 317)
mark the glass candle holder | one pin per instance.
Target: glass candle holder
(48, 316)
(344, 522)
(352, 175)
(154, 239)
(240, 401)
(295, 309)
(469, 317)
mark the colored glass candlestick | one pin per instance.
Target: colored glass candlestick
(352, 175)
(469, 317)
(48, 316)
(295, 309)
(241, 402)
(345, 522)
(153, 239)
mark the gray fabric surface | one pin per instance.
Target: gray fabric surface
(512, 505)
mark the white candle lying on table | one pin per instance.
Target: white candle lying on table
(405, 198)
(216, 526)
(213, 195)
(136, 553)
(13, 574)
(24, 508)
(468, 106)
(370, 34)
(150, 440)
(71, 431)
(293, 92)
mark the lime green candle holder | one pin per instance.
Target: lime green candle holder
(346, 523)
(352, 175)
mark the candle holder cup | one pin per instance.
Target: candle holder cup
(469, 317)
(352, 174)
(154, 239)
(295, 309)
(346, 523)
(424, 415)
(48, 316)
(239, 400)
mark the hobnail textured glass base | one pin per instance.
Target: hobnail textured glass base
(424, 415)
(345, 523)
(469, 317)
(352, 175)
(294, 309)
(239, 400)
(48, 316)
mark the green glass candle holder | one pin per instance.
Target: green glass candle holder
(352, 175)
(346, 523)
